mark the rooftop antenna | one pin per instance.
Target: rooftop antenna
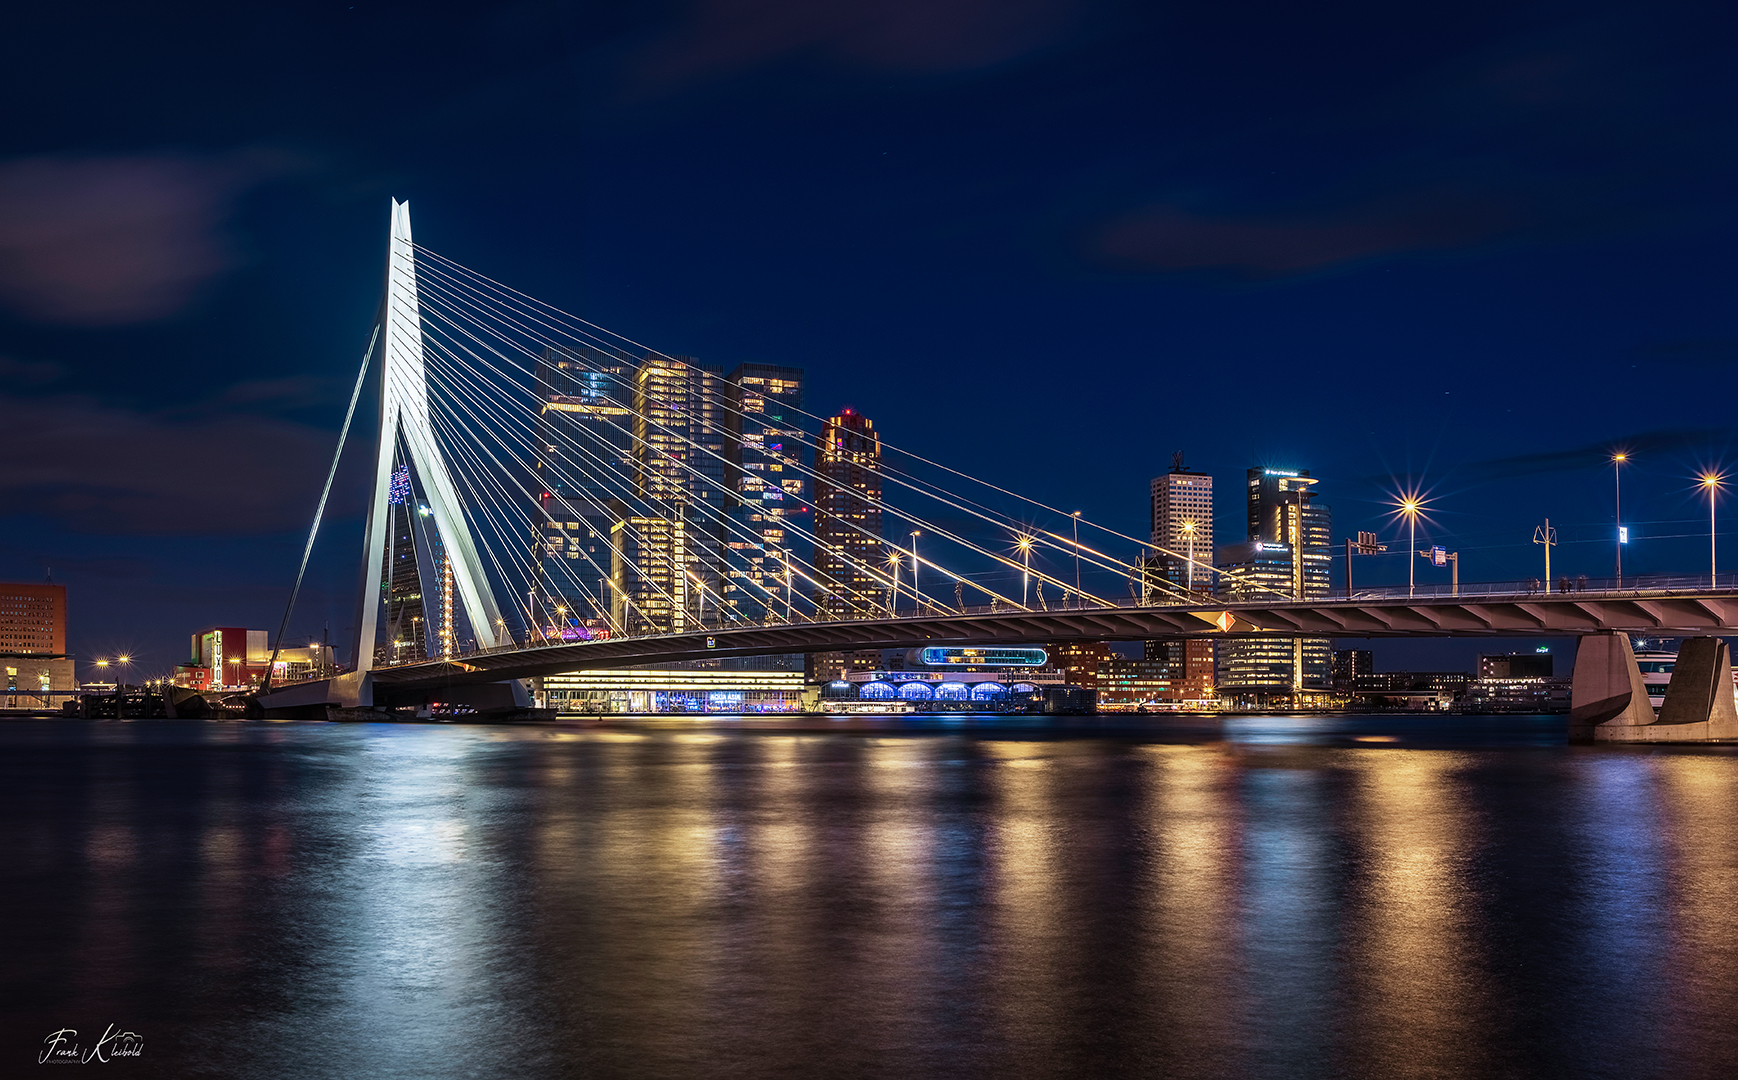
(1177, 461)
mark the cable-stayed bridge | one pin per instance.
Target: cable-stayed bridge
(548, 496)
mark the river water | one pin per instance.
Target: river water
(1279, 897)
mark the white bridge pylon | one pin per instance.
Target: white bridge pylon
(404, 410)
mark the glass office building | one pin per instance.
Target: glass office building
(1286, 557)
(763, 548)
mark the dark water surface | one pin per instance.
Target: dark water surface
(939, 898)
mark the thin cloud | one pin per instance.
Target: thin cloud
(724, 37)
(1641, 446)
(1171, 239)
(110, 240)
(29, 372)
(101, 469)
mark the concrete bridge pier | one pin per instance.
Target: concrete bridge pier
(1609, 701)
(1607, 698)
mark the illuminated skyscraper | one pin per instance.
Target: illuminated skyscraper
(850, 553)
(1287, 555)
(1182, 523)
(765, 477)
(1181, 564)
(584, 464)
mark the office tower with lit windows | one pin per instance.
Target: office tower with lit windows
(666, 539)
(1182, 528)
(850, 554)
(1287, 555)
(653, 587)
(763, 552)
(584, 464)
(1181, 502)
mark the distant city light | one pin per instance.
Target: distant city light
(399, 493)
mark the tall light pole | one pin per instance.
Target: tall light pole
(893, 569)
(1617, 461)
(1077, 556)
(1025, 546)
(916, 597)
(1410, 506)
(1189, 571)
(1711, 481)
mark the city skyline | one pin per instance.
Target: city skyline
(1495, 262)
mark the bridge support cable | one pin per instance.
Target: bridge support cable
(475, 302)
(1095, 558)
(320, 508)
(501, 506)
(556, 320)
(500, 417)
(791, 525)
(724, 489)
(1053, 540)
(924, 489)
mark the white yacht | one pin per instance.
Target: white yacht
(1656, 672)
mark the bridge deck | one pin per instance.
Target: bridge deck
(1649, 612)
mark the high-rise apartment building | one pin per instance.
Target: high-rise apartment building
(585, 463)
(766, 482)
(1182, 527)
(653, 586)
(1182, 538)
(1287, 554)
(666, 538)
(849, 553)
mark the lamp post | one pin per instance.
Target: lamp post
(1189, 571)
(1076, 556)
(1711, 481)
(893, 566)
(1409, 506)
(916, 597)
(1617, 461)
(1025, 546)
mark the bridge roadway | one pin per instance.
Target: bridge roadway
(1674, 612)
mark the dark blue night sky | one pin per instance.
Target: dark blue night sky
(1471, 247)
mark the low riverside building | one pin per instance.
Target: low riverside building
(1153, 686)
(33, 655)
(1011, 690)
(762, 684)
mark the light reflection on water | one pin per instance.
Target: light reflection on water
(1272, 899)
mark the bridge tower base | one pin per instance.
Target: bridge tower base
(1609, 701)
